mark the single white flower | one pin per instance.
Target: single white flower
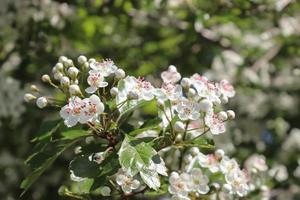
(215, 123)
(238, 182)
(91, 109)
(171, 75)
(209, 161)
(71, 113)
(199, 181)
(127, 182)
(142, 90)
(95, 80)
(168, 91)
(105, 68)
(256, 163)
(205, 88)
(188, 110)
(179, 184)
(226, 89)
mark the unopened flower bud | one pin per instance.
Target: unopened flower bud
(46, 78)
(41, 102)
(59, 66)
(65, 81)
(85, 66)
(92, 60)
(191, 92)
(34, 88)
(179, 127)
(29, 97)
(74, 89)
(188, 158)
(73, 72)
(178, 138)
(224, 99)
(120, 73)
(69, 63)
(62, 59)
(81, 59)
(219, 153)
(172, 68)
(132, 95)
(105, 191)
(222, 115)
(174, 174)
(186, 83)
(160, 103)
(75, 81)
(194, 151)
(54, 70)
(114, 91)
(205, 105)
(217, 102)
(58, 76)
(230, 114)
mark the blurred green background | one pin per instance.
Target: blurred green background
(255, 44)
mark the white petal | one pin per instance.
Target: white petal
(71, 121)
(102, 84)
(91, 90)
(135, 184)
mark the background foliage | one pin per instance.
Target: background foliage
(254, 43)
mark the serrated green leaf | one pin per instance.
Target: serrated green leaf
(134, 158)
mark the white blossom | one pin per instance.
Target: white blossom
(95, 80)
(188, 110)
(127, 182)
(105, 68)
(215, 123)
(171, 75)
(199, 181)
(179, 185)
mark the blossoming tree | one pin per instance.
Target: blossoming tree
(118, 153)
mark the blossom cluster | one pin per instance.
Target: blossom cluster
(99, 94)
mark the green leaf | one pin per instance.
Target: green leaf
(74, 134)
(134, 158)
(82, 187)
(42, 160)
(140, 157)
(84, 168)
(46, 130)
